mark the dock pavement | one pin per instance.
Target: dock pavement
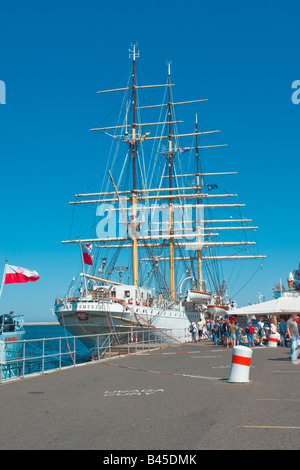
(177, 398)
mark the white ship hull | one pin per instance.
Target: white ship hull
(92, 317)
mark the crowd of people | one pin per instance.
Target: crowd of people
(225, 331)
(228, 333)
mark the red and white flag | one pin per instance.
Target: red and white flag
(86, 250)
(14, 274)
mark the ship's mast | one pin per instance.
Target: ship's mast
(135, 274)
(199, 254)
(133, 54)
(171, 213)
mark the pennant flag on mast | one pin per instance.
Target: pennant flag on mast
(86, 250)
(183, 150)
(16, 275)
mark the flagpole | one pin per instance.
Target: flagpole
(82, 261)
(3, 278)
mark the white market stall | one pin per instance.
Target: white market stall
(282, 306)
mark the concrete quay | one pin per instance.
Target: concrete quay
(177, 398)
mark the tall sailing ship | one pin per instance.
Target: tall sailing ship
(152, 261)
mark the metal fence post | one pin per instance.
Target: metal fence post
(74, 350)
(59, 353)
(43, 356)
(24, 358)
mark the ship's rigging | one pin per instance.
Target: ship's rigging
(168, 220)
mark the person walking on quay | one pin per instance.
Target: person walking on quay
(191, 330)
(195, 332)
(273, 327)
(216, 332)
(250, 332)
(232, 332)
(205, 332)
(238, 334)
(282, 331)
(200, 325)
(226, 333)
(221, 324)
(261, 332)
(293, 335)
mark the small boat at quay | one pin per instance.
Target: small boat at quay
(12, 333)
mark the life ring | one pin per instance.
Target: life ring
(130, 302)
(138, 302)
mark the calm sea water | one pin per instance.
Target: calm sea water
(45, 331)
(73, 350)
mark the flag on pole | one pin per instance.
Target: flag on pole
(14, 275)
(86, 250)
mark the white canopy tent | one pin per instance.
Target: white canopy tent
(280, 306)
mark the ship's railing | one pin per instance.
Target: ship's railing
(40, 356)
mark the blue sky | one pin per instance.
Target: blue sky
(242, 56)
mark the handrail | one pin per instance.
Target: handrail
(38, 356)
